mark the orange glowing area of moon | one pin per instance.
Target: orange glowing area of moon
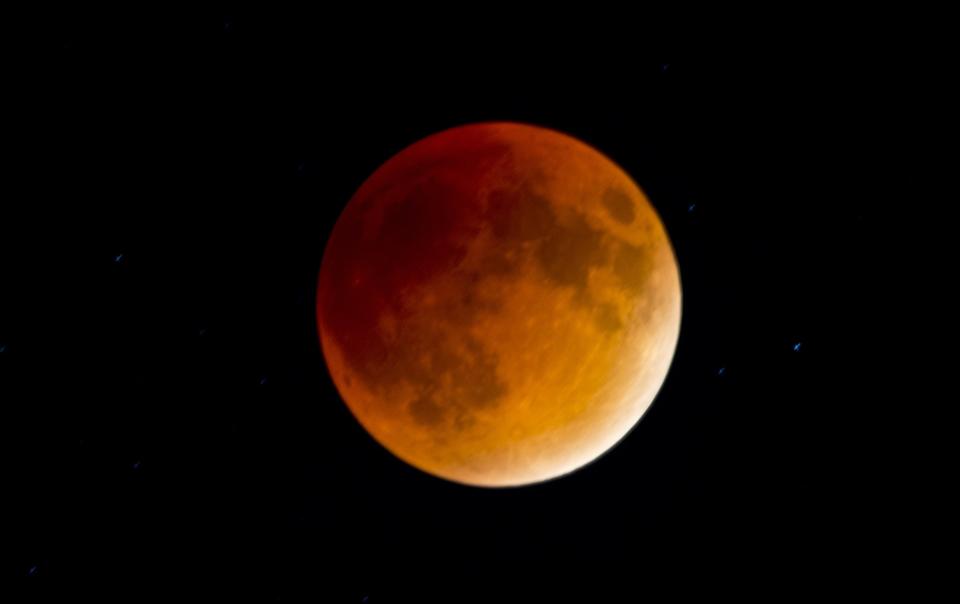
(498, 304)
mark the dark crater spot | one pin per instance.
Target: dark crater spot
(426, 412)
(619, 205)
(463, 421)
(607, 318)
(564, 249)
(519, 216)
(569, 251)
(479, 382)
(425, 236)
(459, 380)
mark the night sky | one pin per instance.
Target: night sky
(170, 418)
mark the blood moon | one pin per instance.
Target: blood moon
(498, 304)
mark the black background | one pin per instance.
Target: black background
(169, 413)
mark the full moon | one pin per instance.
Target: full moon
(498, 304)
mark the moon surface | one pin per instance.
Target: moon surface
(498, 304)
